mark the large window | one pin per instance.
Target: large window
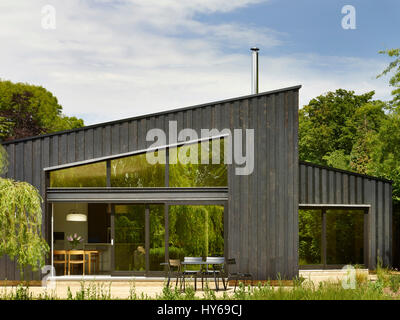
(201, 172)
(196, 231)
(131, 238)
(131, 232)
(136, 172)
(130, 254)
(331, 237)
(310, 236)
(195, 165)
(157, 237)
(90, 175)
(344, 237)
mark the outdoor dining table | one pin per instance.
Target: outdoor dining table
(213, 263)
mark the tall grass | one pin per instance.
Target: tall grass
(92, 291)
(310, 291)
(386, 287)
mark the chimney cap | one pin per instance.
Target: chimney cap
(254, 49)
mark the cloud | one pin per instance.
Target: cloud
(113, 59)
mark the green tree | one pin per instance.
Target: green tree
(385, 152)
(395, 79)
(28, 110)
(334, 129)
(21, 221)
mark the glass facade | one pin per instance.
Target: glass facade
(90, 175)
(139, 230)
(136, 172)
(196, 231)
(344, 237)
(157, 237)
(201, 172)
(193, 231)
(130, 253)
(195, 165)
(310, 236)
(331, 237)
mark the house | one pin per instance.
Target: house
(137, 200)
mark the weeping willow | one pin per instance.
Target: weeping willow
(3, 160)
(20, 224)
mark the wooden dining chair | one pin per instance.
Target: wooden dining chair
(94, 260)
(174, 267)
(79, 259)
(60, 257)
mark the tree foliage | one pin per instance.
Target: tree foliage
(21, 221)
(28, 110)
(3, 160)
(334, 129)
(385, 152)
(395, 79)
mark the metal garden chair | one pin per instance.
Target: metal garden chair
(236, 276)
(195, 273)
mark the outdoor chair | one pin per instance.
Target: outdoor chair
(79, 256)
(195, 273)
(236, 276)
(60, 258)
(217, 270)
(171, 265)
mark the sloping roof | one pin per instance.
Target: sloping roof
(154, 114)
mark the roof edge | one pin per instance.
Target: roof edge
(345, 171)
(153, 114)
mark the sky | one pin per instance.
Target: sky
(110, 59)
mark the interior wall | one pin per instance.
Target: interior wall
(69, 227)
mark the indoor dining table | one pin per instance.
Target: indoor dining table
(88, 253)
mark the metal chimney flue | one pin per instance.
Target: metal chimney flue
(254, 71)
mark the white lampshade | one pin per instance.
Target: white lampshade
(80, 217)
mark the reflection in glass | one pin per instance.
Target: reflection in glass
(345, 236)
(90, 175)
(198, 174)
(310, 230)
(196, 231)
(157, 237)
(136, 172)
(130, 254)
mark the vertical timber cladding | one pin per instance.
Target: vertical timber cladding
(262, 210)
(325, 186)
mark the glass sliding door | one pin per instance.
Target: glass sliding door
(330, 238)
(139, 238)
(344, 237)
(196, 231)
(129, 239)
(156, 237)
(139, 233)
(310, 237)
